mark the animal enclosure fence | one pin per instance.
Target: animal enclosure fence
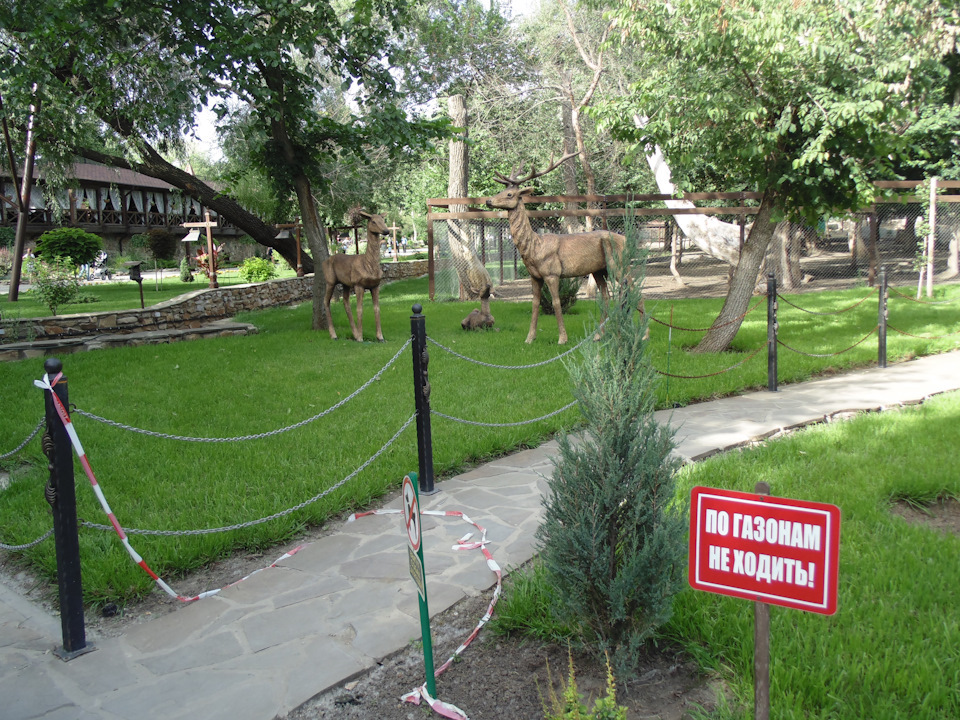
(914, 239)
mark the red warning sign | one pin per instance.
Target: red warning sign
(764, 548)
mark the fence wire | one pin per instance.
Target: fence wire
(28, 545)
(268, 518)
(836, 253)
(243, 438)
(31, 436)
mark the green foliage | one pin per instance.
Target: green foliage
(56, 283)
(8, 237)
(894, 638)
(256, 269)
(569, 287)
(569, 705)
(612, 545)
(816, 104)
(186, 274)
(78, 245)
(6, 261)
(162, 243)
(528, 607)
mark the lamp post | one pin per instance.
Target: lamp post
(284, 233)
(208, 224)
(192, 236)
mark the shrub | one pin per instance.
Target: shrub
(56, 283)
(569, 287)
(569, 706)
(162, 243)
(256, 269)
(8, 237)
(6, 261)
(613, 547)
(186, 274)
(78, 245)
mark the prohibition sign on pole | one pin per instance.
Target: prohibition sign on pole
(411, 513)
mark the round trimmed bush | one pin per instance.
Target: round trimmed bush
(256, 269)
(78, 245)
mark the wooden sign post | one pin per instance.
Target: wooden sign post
(774, 551)
(208, 223)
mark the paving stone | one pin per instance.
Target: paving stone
(391, 631)
(440, 596)
(205, 651)
(293, 622)
(100, 672)
(269, 582)
(171, 630)
(383, 566)
(370, 599)
(320, 587)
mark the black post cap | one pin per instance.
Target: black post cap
(417, 309)
(52, 366)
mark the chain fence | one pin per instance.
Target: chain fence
(895, 229)
(837, 253)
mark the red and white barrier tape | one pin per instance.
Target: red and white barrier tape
(415, 696)
(47, 384)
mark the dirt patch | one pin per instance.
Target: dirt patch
(500, 678)
(942, 515)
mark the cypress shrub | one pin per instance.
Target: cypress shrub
(613, 540)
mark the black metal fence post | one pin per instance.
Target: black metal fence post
(772, 332)
(421, 391)
(882, 320)
(61, 494)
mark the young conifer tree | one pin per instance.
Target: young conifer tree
(613, 538)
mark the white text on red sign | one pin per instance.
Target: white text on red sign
(774, 550)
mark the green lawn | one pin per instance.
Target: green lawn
(118, 294)
(287, 373)
(891, 650)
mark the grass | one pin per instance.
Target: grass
(287, 373)
(118, 294)
(891, 650)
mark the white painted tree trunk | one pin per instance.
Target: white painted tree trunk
(717, 239)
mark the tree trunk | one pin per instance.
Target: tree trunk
(569, 169)
(725, 327)
(24, 201)
(786, 247)
(589, 178)
(225, 206)
(475, 281)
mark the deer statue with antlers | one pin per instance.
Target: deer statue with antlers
(549, 257)
(359, 272)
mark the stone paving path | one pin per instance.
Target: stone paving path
(263, 647)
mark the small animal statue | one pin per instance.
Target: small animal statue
(549, 257)
(359, 273)
(479, 318)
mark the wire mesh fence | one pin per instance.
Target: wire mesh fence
(901, 233)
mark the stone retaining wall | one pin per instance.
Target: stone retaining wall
(191, 310)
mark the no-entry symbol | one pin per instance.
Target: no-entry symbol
(411, 513)
(768, 549)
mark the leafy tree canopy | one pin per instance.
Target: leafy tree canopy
(808, 101)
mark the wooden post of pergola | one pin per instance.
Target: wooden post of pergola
(208, 224)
